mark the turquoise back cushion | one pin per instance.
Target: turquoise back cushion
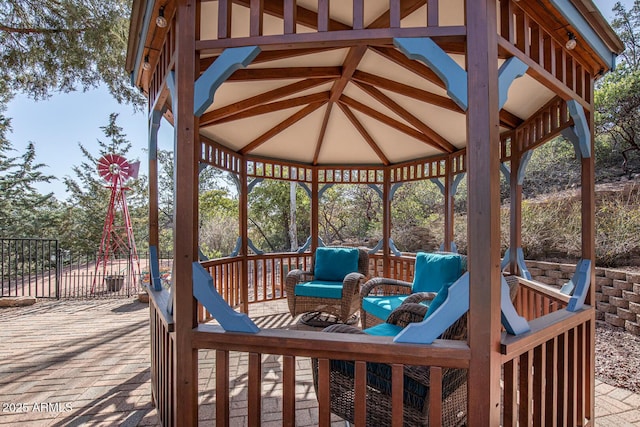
(332, 264)
(434, 270)
(442, 295)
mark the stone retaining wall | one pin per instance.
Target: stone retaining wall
(617, 291)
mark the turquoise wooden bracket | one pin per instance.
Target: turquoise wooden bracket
(585, 30)
(201, 256)
(510, 70)
(236, 248)
(524, 162)
(226, 64)
(453, 248)
(206, 294)
(323, 189)
(505, 171)
(438, 184)
(376, 248)
(580, 128)
(253, 247)
(171, 85)
(154, 268)
(154, 125)
(457, 304)
(201, 167)
(393, 248)
(513, 323)
(452, 74)
(522, 266)
(580, 280)
(306, 245)
(393, 189)
(306, 188)
(253, 183)
(377, 189)
(456, 182)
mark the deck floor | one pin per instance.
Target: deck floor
(87, 363)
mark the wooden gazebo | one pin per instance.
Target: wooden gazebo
(376, 92)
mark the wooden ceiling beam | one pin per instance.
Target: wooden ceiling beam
(297, 116)
(367, 137)
(405, 114)
(245, 74)
(275, 106)
(293, 88)
(411, 65)
(408, 130)
(323, 130)
(406, 90)
(354, 56)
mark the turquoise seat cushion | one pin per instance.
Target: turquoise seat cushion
(319, 289)
(382, 306)
(333, 264)
(433, 270)
(383, 330)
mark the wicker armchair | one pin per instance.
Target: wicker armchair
(344, 306)
(396, 292)
(416, 378)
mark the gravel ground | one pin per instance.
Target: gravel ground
(617, 357)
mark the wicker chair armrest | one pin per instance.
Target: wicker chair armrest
(419, 297)
(383, 286)
(351, 283)
(299, 275)
(407, 313)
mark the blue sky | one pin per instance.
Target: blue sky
(58, 124)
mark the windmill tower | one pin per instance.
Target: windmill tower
(117, 234)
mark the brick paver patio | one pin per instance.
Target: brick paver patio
(87, 363)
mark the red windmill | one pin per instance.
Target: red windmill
(117, 234)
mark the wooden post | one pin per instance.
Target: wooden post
(589, 252)
(386, 222)
(448, 204)
(315, 203)
(187, 150)
(515, 235)
(244, 237)
(484, 213)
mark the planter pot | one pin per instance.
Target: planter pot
(114, 283)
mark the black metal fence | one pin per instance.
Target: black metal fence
(29, 267)
(40, 268)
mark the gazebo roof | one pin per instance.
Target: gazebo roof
(364, 103)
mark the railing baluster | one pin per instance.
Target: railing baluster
(255, 389)
(324, 414)
(433, 18)
(435, 396)
(394, 13)
(289, 391)
(506, 20)
(397, 394)
(224, 19)
(222, 388)
(360, 400)
(510, 398)
(526, 389)
(323, 15)
(358, 14)
(539, 370)
(256, 18)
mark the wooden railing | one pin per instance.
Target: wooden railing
(162, 363)
(547, 373)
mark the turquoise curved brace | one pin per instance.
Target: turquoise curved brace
(236, 248)
(171, 85)
(438, 184)
(253, 247)
(513, 323)
(306, 245)
(456, 182)
(376, 188)
(510, 70)
(524, 162)
(226, 64)
(393, 248)
(457, 304)
(201, 256)
(154, 268)
(580, 128)
(306, 188)
(253, 183)
(323, 189)
(208, 296)
(522, 266)
(154, 125)
(581, 280)
(505, 171)
(376, 248)
(393, 189)
(453, 248)
(452, 74)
